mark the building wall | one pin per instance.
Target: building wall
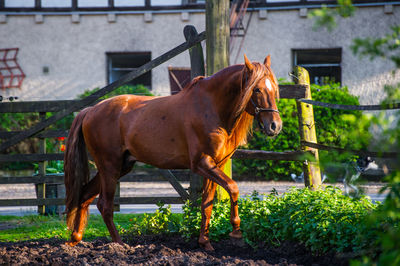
(286, 30)
(74, 52)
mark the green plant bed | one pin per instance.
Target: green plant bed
(323, 220)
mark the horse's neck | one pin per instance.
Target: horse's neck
(227, 90)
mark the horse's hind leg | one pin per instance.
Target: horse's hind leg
(90, 191)
(105, 204)
(206, 210)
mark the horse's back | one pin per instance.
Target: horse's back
(101, 125)
(149, 128)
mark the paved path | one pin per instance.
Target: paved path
(131, 189)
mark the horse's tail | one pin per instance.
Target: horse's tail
(76, 168)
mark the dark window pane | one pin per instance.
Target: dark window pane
(323, 65)
(120, 64)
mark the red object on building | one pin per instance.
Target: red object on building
(11, 74)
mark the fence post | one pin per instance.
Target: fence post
(41, 188)
(217, 45)
(196, 69)
(311, 170)
(196, 53)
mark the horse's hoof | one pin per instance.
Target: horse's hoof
(71, 243)
(237, 238)
(236, 234)
(76, 236)
(207, 246)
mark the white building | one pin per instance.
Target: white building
(69, 46)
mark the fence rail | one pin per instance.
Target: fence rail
(64, 108)
(379, 107)
(117, 200)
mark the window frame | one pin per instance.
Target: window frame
(110, 68)
(338, 50)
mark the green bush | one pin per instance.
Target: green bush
(23, 121)
(160, 222)
(333, 127)
(387, 216)
(125, 89)
(323, 220)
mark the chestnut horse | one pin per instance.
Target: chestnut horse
(199, 128)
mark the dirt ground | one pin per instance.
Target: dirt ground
(156, 250)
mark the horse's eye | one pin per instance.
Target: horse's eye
(257, 90)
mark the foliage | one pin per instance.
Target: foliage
(333, 127)
(324, 220)
(17, 122)
(387, 47)
(326, 17)
(23, 121)
(125, 89)
(387, 216)
(52, 167)
(162, 221)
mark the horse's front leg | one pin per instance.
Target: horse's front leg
(208, 168)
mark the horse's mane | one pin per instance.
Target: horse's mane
(250, 82)
(193, 82)
(243, 126)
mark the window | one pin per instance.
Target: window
(92, 3)
(56, 3)
(119, 64)
(129, 3)
(166, 2)
(19, 3)
(323, 65)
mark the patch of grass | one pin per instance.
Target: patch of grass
(35, 227)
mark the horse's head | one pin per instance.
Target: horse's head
(262, 85)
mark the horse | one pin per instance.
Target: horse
(198, 128)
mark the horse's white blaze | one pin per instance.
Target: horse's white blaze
(268, 84)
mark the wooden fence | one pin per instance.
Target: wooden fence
(61, 109)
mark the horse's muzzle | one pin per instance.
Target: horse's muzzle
(272, 128)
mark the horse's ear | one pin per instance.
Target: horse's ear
(248, 64)
(267, 61)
